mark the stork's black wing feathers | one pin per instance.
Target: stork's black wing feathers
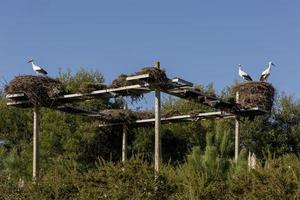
(264, 77)
(247, 78)
(42, 71)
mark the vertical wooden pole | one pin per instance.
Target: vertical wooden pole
(36, 143)
(157, 127)
(124, 140)
(237, 133)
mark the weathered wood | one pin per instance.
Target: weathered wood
(18, 95)
(80, 96)
(237, 134)
(182, 82)
(157, 127)
(124, 140)
(138, 77)
(36, 143)
(174, 119)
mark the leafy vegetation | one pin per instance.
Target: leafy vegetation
(82, 161)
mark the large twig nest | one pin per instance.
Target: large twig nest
(120, 81)
(255, 94)
(157, 79)
(156, 75)
(38, 89)
(121, 115)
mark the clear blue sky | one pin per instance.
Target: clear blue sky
(201, 41)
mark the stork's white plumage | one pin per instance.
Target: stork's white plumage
(38, 70)
(243, 74)
(264, 76)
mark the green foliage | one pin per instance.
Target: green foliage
(279, 179)
(73, 82)
(134, 179)
(204, 172)
(81, 161)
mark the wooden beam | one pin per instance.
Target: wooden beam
(182, 82)
(124, 140)
(237, 133)
(157, 128)
(138, 77)
(80, 96)
(36, 144)
(173, 119)
(18, 95)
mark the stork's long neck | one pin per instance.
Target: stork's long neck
(33, 65)
(270, 67)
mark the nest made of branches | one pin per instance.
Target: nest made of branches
(157, 79)
(121, 81)
(121, 115)
(39, 89)
(88, 87)
(255, 94)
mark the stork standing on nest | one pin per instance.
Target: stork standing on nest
(243, 74)
(264, 76)
(38, 70)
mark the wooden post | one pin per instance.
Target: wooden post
(237, 133)
(124, 140)
(36, 143)
(157, 127)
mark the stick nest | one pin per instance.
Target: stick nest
(38, 89)
(121, 115)
(255, 94)
(157, 79)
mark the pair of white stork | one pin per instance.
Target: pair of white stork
(264, 76)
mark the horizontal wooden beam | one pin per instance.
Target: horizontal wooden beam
(138, 77)
(18, 95)
(15, 101)
(185, 118)
(182, 82)
(173, 119)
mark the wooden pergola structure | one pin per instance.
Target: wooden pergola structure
(176, 87)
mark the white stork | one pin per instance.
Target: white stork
(38, 70)
(267, 72)
(243, 74)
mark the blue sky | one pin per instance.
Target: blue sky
(200, 41)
